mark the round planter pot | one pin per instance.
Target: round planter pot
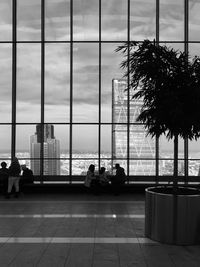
(173, 218)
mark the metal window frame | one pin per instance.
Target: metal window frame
(43, 42)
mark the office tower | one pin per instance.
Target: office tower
(51, 151)
(141, 147)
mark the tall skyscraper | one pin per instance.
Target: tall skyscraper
(51, 151)
(141, 147)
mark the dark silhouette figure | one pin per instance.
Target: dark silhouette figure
(118, 180)
(14, 177)
(103, 180)
(26, 178)
(91, 181)
(27, 175)
(4, 174)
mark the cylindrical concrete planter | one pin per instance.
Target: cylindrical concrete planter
(172, 219)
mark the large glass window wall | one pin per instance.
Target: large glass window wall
(63, 105)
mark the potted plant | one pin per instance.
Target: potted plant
(168, 82)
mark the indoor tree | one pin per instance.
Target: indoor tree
(168, 82)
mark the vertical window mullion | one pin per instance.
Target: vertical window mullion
(71, 90)
(157, 42)
(99, 126)
(42, 86)
(186, 38)
(14, 77)
(128, 94)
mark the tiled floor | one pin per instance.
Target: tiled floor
(81, 230)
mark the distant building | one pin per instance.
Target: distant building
(51, 151)
(141, 148)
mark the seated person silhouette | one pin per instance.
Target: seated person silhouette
(27, 175)
(91, 181)
(4, 174)
(118, 180)
(103, 180)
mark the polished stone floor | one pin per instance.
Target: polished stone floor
(83, 230)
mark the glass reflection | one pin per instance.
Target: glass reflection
(5, 82)
(57, 83)
(194, 20)
(114, 20)
(85, 141)
(29, 20)
(28, 83)
(86, 83)
(57, 20)
(110, 69)
(172, 20)
(5, 20)
(5, 141)
(86, 20)
(143, 19)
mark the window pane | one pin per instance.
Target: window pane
(85, 83)
(57, 83)
(57, 20)
(64, 166)
(5, 141)
(123, 164)
(110, 69)
(24, 136)
(194, 168)
(143, 19)
(106, 139)
(166, 148)
(61, 134)
(142, 167)
(172, 20)
(114, 20)
(85, 141)
(5, 20)
(176, 46)
(51, 166)
(5, 82)
(80, 167)
(194, 20)
(29, 20)
(107, 164)
(28, 83)
(166, 167)
(119, 103)
(193, 149)
(140, 145)
(85, 20)
(194, 50)
(119, 140)
(181, 168)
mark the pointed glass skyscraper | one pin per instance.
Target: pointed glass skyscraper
(141, 149)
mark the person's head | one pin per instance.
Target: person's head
(91, 168)
(117, 166)
(3, 164)
(24, 167)
(102, 170)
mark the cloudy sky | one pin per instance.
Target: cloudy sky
(85, 61)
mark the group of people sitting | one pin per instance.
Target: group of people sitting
(11, 177)
(97, 183)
